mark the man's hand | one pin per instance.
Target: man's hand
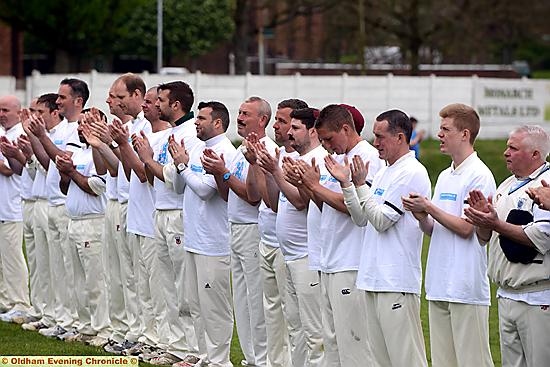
(64, 164)
(177, 151)
(8, 148)
(24, 144)
(415, 203)
(250, 144)
(540, 195)
(359, 171)
(481, 212)
(212, 163)
(37, 126)
(340, 172)
(142, 147)
(25, 117)
(119, 132)
(266, 161)
(309, 174)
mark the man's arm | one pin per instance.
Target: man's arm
(130, 160)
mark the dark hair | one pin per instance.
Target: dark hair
(79, 88)
(219, 111)
(398, 121)
(101, 113)
(181, 92)
(334, 117)
(413, 119)
(48, 99)
(306, 115)
(293, 103)
(133, 82)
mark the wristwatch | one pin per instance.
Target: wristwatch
(181, 167)
(113, 145)
(226, 176)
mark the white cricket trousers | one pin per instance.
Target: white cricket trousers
(273, 270)
(86, 239)
(208, 279)
(14, 276)
(117, 307)
(35, 281)
(344, 333)
(61, 266)
(394, 328)
(47, 290)
(128, 274)
(168, 242)
(303, 293)
(248, 292)
(459, 334)
(524, 331)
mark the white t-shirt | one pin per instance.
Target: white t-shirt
(10, 199)
(315, 239)
(292, 229)
(457, 267)
(267, 218)
(65, 137)
(111, 192)
(79, 203)
(205, 222)
(390, 260)
(39, 190)
(134, 127)
(141, 203)
(166, 197)
(342, 239)
(238, 210)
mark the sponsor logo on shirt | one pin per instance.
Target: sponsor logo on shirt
(331, 179)
(521, 202)
(80, 167)
(379, 192)
(196, 168)
(447, 196)
(239, 170)
(163, 156)
(58, 141)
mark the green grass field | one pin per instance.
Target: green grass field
(15, 341)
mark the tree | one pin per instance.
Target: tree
(72, 31)
(191, 28)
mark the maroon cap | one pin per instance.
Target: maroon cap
(358, 119)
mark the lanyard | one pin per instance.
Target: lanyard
(529, 179)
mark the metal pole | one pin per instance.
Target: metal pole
(159, 35)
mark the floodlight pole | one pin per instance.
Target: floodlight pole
(159, 35)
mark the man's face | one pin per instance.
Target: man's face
(449, 136)
(79, 129)
(385, 141)
(129, 102)
(204, 124)
(114, 105)
(9, 113)
(163, 105)
(333, 141)
(299, 136)
(49, 117)
(282, 125)
(32, 106)
(66, 103)
(518, 155)
(248, 119)
(150, 111)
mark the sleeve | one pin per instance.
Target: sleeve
(204, 185)
(364, 208)
(170, 176)
(97, 184)
(538, 231)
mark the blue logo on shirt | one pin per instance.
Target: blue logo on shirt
(379, 191)
(80, 167)
(447, 196)
(163, 156)
(332, 179)
(239, 170)
(196, 168)
(58, 141)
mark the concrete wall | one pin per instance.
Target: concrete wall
(502, 103)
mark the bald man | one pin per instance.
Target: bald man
(14, 290)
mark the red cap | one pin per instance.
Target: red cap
(358, 119)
